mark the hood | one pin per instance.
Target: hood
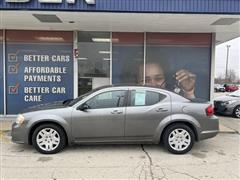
(40, 107)
(226, 98)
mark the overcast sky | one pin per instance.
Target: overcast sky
(233, 60)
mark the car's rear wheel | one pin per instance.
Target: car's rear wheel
(178, 138)
(236, 112)
(48, 139)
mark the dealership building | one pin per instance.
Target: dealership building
(53, 50)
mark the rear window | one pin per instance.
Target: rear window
(199, 100)
(145, 98)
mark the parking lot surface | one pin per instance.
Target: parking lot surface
(216, 158)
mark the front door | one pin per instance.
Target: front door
(103, 120)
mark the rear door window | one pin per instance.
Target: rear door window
(145, 98)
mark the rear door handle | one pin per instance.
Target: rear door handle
(115, 111)
(161, 110)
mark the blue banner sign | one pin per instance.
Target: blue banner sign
(38, 73)
(1, 79)
(49, 1)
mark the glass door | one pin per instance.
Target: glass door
(93, 61)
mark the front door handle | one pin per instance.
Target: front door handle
(115, 111)
(161, 110)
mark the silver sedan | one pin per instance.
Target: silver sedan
(117, 114)
(228, 104)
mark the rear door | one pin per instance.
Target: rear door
(144, 112)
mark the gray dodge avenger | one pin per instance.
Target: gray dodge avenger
(117, 114)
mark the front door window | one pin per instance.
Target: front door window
(111, 99)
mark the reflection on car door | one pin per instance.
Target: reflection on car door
(104, 120)
(144, 112)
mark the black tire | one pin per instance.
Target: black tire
(59, 130)
(236, 112)
(168, 132)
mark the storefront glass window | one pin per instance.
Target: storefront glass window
(93, 60)
(1, 73)
(179, 62)
(39, 68)
(127, 57)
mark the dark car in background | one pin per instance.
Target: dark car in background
(228, 104)
(230, 87)
(118, 114)
(219, 88)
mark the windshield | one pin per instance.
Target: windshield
(74, 101)
(235, 93)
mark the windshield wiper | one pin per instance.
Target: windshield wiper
(66, 102)
(234, 95)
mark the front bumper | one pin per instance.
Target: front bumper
(221, 108)
(19, 133)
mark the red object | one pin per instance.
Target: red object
(191, 39)
(209, 110)
(230, 87)
(29, 36)
(128, 38)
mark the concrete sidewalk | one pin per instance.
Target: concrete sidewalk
(5, 125)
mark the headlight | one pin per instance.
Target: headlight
(20, 119)
(229, 102)
(232, 101)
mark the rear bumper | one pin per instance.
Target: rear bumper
(208, 134)
(220, 90)
(211, 130)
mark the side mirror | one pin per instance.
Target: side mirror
(83, 107)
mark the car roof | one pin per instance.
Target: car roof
(127, 85)
(173, 94)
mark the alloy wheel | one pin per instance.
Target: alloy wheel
(179, 139)
(237, 112)
(48, 139)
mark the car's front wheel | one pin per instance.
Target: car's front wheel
(236, 112)
(178, 138)
(48, 139)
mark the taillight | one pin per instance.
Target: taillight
(209, 110)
